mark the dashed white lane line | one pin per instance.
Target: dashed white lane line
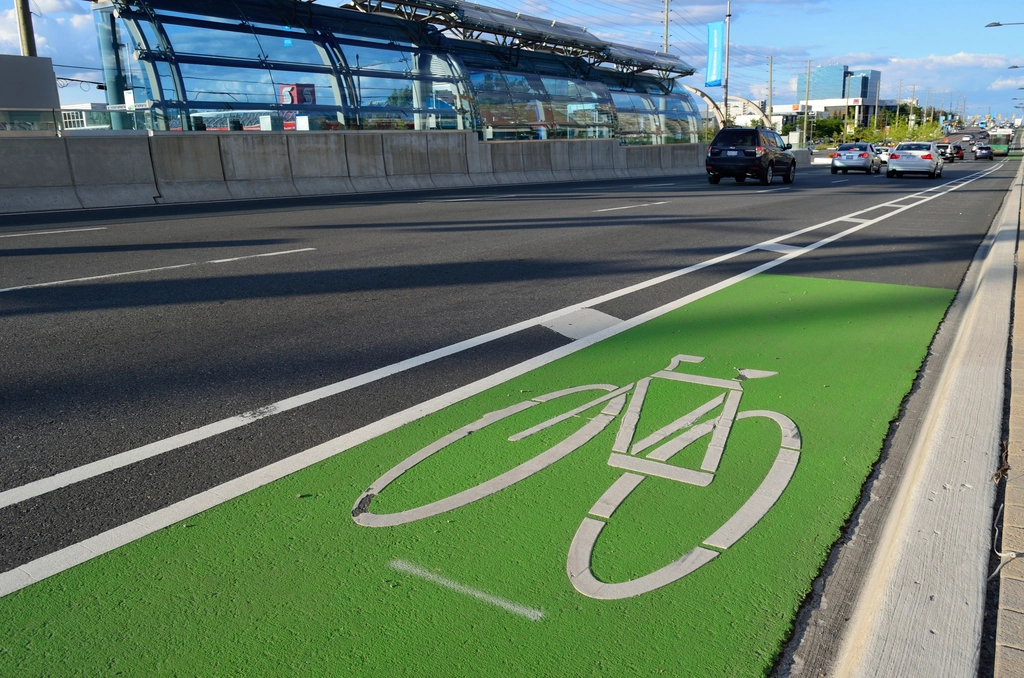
(839, 181)
(88, 549)
(67, 230)
(773, 190)
(653, 185)
(423, 573)
(629, 207)
(152, 270)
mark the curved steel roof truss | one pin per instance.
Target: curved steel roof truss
(513, 29)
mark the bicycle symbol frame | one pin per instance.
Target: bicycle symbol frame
(662, 447)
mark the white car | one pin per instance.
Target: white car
(915, 157)
(883, 153)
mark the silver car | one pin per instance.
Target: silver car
(856, 156)
(920, 157)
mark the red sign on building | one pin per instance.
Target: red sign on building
(298, 94)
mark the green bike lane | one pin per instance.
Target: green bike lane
(293, 577)
(283, 578)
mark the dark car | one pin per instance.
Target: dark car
(957, 151)
(983, 152)
(741, 152)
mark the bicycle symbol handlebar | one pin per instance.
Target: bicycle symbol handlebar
(662, 445)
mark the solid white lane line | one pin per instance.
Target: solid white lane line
(87, 549)
(629, 207)
(778, 247)
(151, 270)
(423, 573)
(301, 460)
(69, 230)
(95, 277)
(653, 185)
(773, 190)
(839, 181)
(257, 256)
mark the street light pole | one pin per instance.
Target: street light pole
(807, 100)
(666, 26)
(725, 80)
(28, 36)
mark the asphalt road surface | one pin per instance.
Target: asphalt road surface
(122, 329)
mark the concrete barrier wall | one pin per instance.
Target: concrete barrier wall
(319, 164)
(448, 158)
(35, 175)
(109, 170)
(537, 161)
(188, 168)
(406, 160)
(112, 171)
(257, 165)
(365, 154)
(561, 170)
(507, 162)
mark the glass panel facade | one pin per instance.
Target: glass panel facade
(258, 64)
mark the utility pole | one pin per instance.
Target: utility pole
(770, 90)
(913, 96)
(666, 26)
(28, 36)
(899, 99)
(878, 120)
(846, 108)
(807, 100)
(927, 102)
(725, 80)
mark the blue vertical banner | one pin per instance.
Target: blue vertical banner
(716, 53)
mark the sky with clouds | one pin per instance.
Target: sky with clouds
(935, 46)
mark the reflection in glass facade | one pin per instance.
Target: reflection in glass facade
(283, 65)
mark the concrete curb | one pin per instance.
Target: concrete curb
(922, 610)
(1009, 651)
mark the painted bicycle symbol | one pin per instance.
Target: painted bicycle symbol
(659, 447)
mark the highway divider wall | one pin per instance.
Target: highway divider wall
(135, 168)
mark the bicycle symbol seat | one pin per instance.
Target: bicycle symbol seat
(659, 446)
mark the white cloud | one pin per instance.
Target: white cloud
(83, 21)
(8, 30)
(1007, 83)
(58, 6)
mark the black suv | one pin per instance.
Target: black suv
(742, 152)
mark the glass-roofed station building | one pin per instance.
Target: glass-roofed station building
(227, 65)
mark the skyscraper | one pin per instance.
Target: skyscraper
(826, 82)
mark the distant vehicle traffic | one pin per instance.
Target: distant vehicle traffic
(946, 151)
(915, 157)
(856, 156)
(999, 140)
(742, 152)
